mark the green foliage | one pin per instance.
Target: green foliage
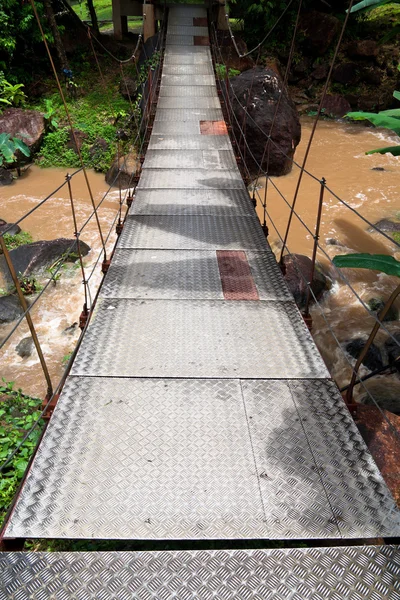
(18, 413)
(396, 236)
(14, 241)
(258, 16)
(11, 95)
(9, 146)
(368, 4)
(375, 262)
(49, 114)
(221, 71)
(92, 115)
(395, 150)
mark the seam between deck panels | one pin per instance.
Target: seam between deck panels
(314, 458)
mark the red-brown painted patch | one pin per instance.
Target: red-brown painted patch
(213, 128)
(200, 22)
(236, 277)
(201, 40)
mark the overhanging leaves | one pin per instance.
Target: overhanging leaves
(379, 120)
(375, 262)
(395, 150)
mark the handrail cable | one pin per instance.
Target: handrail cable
(32, 2)
(316, 120)
(264, 39)
(321, 310)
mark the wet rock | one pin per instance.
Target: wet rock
(319, 29)
(373, 358)
(333, 242)
(98, 148)
(229, 55)
(10, 308)
(372, 76)
(6, 177)
(29, 125)
(15, 229)
(32, 258)
(297, 270)
(71, 329)
(25, 347)
(392, 348)
(352, 99)
(386, 393)
(335, 105)
(128, 87)
(75, 141)
(369, 102)
(363, 49)
(346, 74)
(378, 169)
(260, 89)
(386, 225)
(320, 73)
(375, 305)
(124, 171)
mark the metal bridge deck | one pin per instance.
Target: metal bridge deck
(198, 406)
(344, 573)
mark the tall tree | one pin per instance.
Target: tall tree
(93, 16)
(62, 57)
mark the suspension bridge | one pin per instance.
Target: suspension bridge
(198, 411)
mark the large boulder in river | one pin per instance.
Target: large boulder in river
(10, 308)
(259, 90)
(297, 271)
(29, 125)
(33, 258)
(124, 171)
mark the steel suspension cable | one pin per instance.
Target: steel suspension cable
(32, 2)
(310, 141)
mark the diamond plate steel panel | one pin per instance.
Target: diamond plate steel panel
(190, 179)
(188, 114)
(195, 80)
(295, 454)
(268, 276)
(202, 69)
(341, 573)
(173, 274)
(198, 338)
(164, 127)
(207, 91)
(143, 458)
(179, 29)
(193, 142)
(179, 40)
(191, 159)
(197, 58)
(192, 202)
(192, 233)
(187, 51)
(356, 490)
(187, 102)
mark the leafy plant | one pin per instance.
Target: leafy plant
(9, 147)
(11, 94)
(20, 239)
(389, 119)
(29, 285)
(49, 115)
(376, 262)
(369, 4)
(18, 413)
(221, 71)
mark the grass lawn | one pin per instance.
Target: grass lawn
(103, 10)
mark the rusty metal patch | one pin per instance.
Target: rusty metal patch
(201, 40)
(236, 277)
(200, 22)
(213, 128)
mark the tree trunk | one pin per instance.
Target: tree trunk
(56, 34)
(93, 16)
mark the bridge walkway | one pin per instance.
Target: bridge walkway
(198, 407)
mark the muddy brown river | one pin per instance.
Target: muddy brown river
(338, 154)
